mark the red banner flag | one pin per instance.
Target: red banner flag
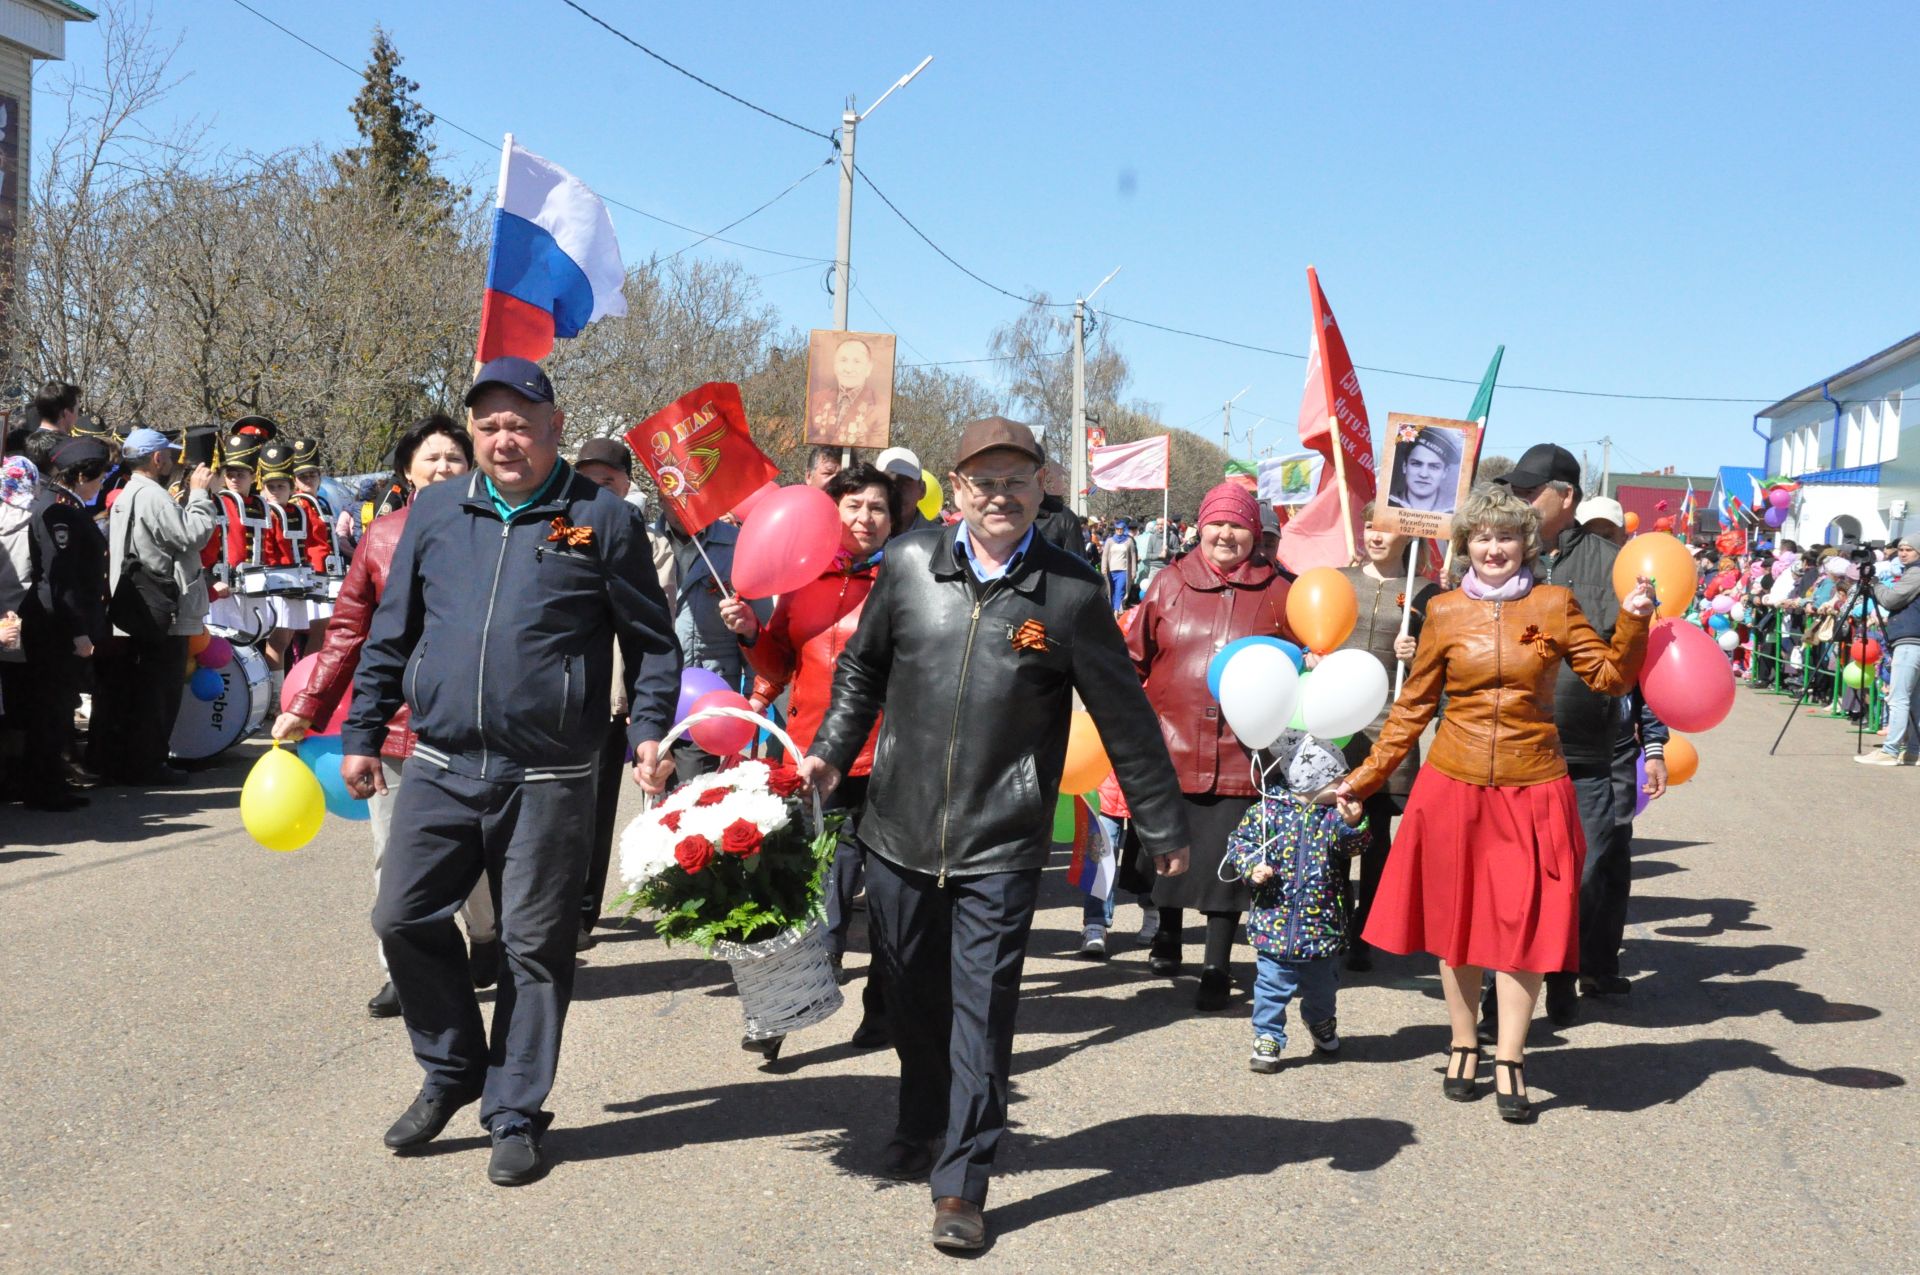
(1318, 535)
(701, 454)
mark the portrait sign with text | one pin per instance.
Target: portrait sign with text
(849, 388)
(1429, 464)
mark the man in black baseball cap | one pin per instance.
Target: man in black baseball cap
(1541, 465)
(522, 376)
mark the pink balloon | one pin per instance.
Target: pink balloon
(722, 736)
(296, 681)
(1723, 603)
(745, 507)
(790, 539)
(1686, 678)
(218, 653)
(1779, 498)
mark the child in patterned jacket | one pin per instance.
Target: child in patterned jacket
(1293, 847)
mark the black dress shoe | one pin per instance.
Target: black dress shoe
(483, 962)
(422, 1122)
(385, 1003)
(1164, 958)
(838, 964)
(907, 1159)
(1216, 989)
(584, 940)
(1360, 959)
(957, 1224)
(516, 1158)
(1605, 985)
(1563, 1005)
(872, 1033)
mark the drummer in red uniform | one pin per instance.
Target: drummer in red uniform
(318, 550)
(246, 535)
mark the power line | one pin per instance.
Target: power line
(945, 255)
(755, 213)
(490, 144)
(675, 66)
(891, 326)
(991, 358)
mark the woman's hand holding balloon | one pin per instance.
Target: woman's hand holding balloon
(1640, 601)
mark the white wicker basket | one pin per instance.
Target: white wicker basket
(785, 982)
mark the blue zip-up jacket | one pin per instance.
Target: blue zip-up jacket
(1299, 915)
(499, 636)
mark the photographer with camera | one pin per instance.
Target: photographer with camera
(1895, 593)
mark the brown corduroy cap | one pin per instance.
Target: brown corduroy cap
(992, 432)
(606, 451)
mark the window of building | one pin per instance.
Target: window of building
(1890, 428)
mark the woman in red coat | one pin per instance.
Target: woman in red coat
(1224, 590)
(797, 649)
(433, 450)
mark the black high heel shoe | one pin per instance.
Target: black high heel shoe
(1514, 1107)
(1460, 1088)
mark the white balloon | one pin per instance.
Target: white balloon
(1729, 641)
(1258, 688)
(1344, 695)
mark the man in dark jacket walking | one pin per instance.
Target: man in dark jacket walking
(1057, 524)
(503, 603)
(1548, 477)
(974, 641)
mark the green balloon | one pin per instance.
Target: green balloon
(1063, 820)
(1854, 676)
(1299, 721)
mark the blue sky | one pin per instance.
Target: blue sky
(1680, 199)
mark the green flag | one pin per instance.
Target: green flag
(1247, 467)
(1483, 401)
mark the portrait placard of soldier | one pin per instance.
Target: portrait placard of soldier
(1430, 463)
(849, 388)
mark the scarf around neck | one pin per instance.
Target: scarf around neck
(1518, 585)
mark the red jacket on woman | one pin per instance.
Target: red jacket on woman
(352, 615)
(1189, 613)
(801, 643)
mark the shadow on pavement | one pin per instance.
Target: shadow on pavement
(1641, 1076)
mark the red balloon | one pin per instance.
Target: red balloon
(296, 681)
(789, 540)
(722, 736)
(1686, 679)
(1864, 652)
(752, 498)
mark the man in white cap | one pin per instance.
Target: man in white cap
(902, 467)
(1602, 516)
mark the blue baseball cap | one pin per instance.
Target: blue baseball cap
(145, 442)
(522, 376)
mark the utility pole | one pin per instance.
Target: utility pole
(1077, 445)
(1606, 464)
(843, 246)
(1226, 424)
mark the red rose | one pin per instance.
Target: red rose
(671, 821)
(741, 839)
(784, 781)
(713, 796)
(693, 854)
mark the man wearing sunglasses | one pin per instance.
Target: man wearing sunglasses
(970, 651)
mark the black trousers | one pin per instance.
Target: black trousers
(534, 839)
(137, 688)
(1603, 877)
(1607, 881)
(953, 957)
(33, 695)
(843, 883)
(1381, 813)
(606, 804)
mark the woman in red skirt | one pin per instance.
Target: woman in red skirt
(1485, 868)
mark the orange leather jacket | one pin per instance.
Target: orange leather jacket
(1496, 662)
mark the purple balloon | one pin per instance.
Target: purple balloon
(1640, 797)
(1777, 517)
(695, 682)
(218, 653)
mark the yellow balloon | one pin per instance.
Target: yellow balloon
(281, 803)
(936, 497)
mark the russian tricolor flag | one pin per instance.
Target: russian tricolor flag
(555, 265)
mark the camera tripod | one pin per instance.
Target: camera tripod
(1853, 628)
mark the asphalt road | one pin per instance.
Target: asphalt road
(191, 1082)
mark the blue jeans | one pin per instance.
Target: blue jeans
(1275, 981)
(1118, 579)
(1100, 911)
(1903, 733)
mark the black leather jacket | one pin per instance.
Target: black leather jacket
(1586, 719)
(968, 764)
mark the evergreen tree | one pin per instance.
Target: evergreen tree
(397, 154)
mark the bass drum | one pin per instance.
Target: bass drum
(206, 728)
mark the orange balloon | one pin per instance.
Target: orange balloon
(198, 643)
(1662, 559)
(1322, 609)
(1633, 522)
(1087, 764)
(1682, 760)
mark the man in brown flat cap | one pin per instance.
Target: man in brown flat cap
(970, 650)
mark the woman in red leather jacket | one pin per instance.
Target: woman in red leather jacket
(1225, 589)
(433, 450)
(798, 648)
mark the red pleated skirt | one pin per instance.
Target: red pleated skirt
(1484, 876)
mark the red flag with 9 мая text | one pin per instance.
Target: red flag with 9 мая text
(701, 454)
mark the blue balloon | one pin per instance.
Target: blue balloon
(1218, 663)
(323, 756)
(207, 684)
(1720, 623)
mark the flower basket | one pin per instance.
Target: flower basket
(727, 863)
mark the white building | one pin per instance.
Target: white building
(30, 31)
(1841, 439)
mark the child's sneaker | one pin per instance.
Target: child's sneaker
(1266, 1055)
(1326, 1035)
(1093, 943)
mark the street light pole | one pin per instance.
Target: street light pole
(1077, 445)
(843, 245)
(1226, 424)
